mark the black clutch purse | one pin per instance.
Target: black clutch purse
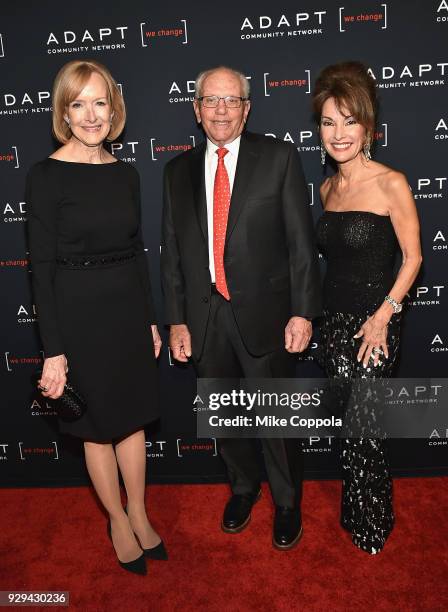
(71, 405)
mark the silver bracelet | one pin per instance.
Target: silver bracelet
(395, 305)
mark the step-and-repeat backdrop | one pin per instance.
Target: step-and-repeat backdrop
(154, 51)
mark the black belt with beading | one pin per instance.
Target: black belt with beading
(96, 261)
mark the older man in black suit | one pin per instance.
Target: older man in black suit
(240, 278)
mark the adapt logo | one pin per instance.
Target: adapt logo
(155, 449)
(419, 75)
(24, 103)
(438, 437)
(181, 91)
(425, 296)
(442, 12)
(42, 408)
(26, 314)
(439, 241)
(441, 130)
(413, 394)
(126, 151)
(431, 188)
(300, 138)
(316, 444)
(14, 213)
(352, 16)
(438, 345)
(109, 38)
(283, 26)
(151, 33)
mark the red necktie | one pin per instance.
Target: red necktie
(221, 203)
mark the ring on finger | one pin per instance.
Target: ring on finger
(377, 351)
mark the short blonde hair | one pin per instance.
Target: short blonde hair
(69, 82)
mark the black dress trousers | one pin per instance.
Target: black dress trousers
(225, 356)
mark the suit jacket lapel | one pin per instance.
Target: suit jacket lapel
(247, 161)
(197, 174)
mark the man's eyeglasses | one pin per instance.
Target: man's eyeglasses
(229, 101)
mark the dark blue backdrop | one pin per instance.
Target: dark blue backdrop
(155, 51)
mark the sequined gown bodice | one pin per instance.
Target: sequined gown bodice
(360, 249)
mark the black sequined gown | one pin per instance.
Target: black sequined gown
(360, 248)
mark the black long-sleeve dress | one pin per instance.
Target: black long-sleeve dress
(360, 249)
(92, 290)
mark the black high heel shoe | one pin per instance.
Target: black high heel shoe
(137, 566)
(156, 553)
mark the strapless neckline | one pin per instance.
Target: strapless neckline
(365, 212)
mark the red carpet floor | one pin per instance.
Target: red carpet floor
(55, 539)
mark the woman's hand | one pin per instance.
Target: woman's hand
(53, 376)
(374, 340)
(156, 339)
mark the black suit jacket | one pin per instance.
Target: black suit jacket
(270, 258)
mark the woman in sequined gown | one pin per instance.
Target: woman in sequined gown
(369, 216)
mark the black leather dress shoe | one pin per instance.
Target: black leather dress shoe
(287, 528)
(237, 512)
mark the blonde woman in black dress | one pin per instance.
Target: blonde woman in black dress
(369, 216)
(93, 296)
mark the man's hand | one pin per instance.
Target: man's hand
(297, 334)
(180, 342)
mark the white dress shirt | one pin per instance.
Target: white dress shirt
(211, 164)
